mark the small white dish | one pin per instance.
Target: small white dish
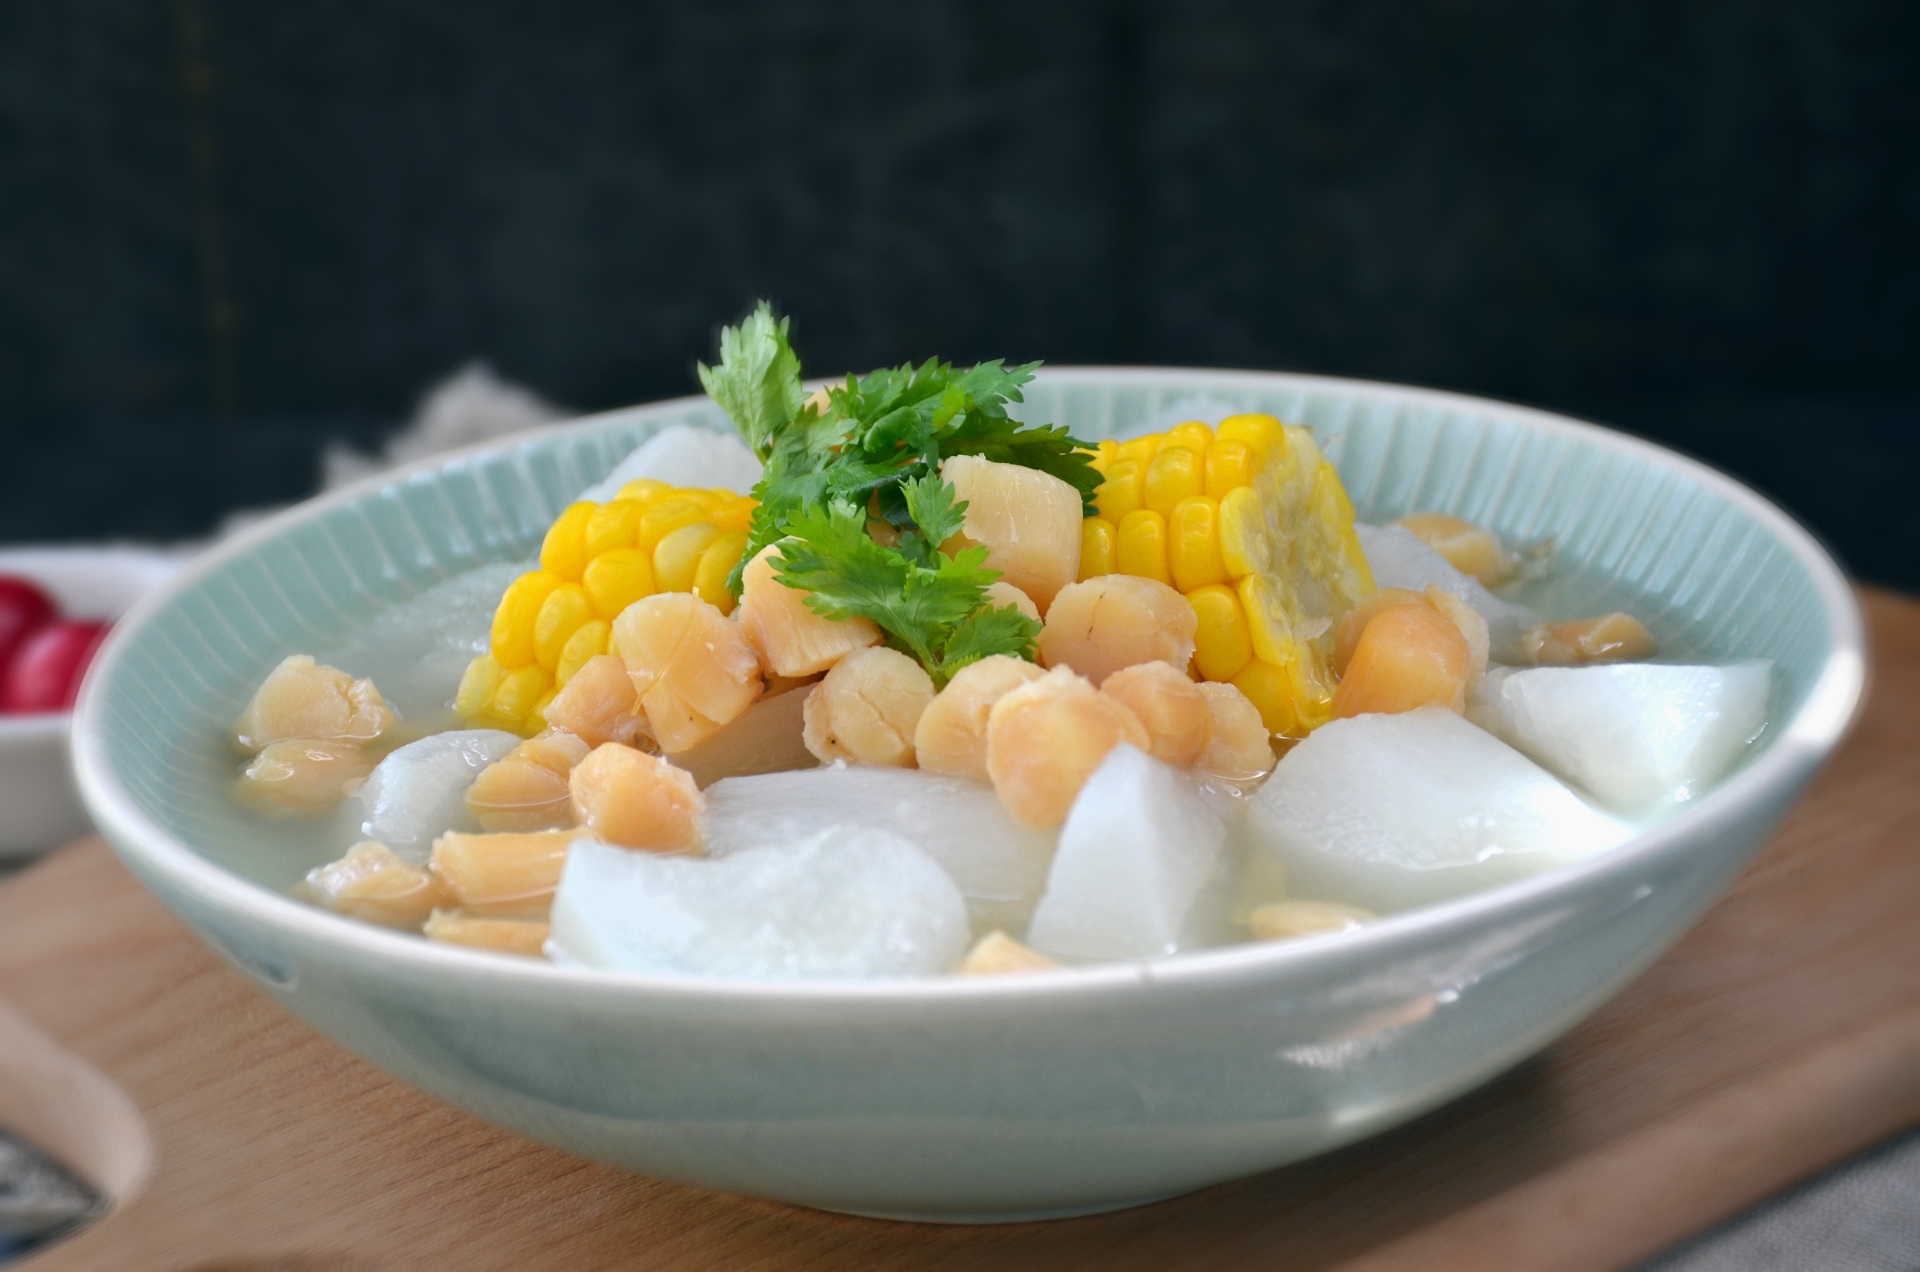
(39, 807)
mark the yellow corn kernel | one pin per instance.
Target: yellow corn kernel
(1193, 543)
(1193, 435)
(477, 686)
(560, 616)
(1176, 473)
(605, 558)
(677, 556)
(614, 525)
(1266, 621)
(1267, 689)
(735, 514)
(563, 553)
(1261, 432)
(1222, 646)
(536, 721)
(1299, 658)
(1140, 546)
(1123, 490)
(513, 640)
(589, 640)
(615, 580)
(1230, 465)
(1330, 498)
(716, 566)
(1258, 536)
(1096, 548)
(663, 518)
(519, 693)
(644, 490)
(1104, 454)
(1243, 533)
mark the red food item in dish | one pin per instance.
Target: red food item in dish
(24, 610)
(46, 671)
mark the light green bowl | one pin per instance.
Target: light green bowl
(967, 1098)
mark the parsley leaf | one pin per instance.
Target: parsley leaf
(758, 380)
(913, 417)
(929, 605)
(991, 629)
(1049, 449)
(937, 516)
(874, 451)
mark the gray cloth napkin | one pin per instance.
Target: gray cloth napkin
(1863, 1216)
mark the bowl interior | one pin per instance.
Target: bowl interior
(1713, 571)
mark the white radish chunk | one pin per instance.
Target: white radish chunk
(1399, 559)
(1135, 856)
(1395, 811)
(998, 866)
(418, 792)
(1635, 736)
(682, 455)
(839, 905)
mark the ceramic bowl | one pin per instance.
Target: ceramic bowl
(1013, 1097)
(41, 808)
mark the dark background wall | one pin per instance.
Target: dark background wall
(230, 231)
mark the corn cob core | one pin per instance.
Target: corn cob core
(1250, 522)
(596, 560)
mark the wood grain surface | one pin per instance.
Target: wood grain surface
(1781, 1035)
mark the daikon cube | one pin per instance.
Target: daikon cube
(838, 905)
(1139, 849)
(1389, 812)
(998, 866)
(417, 793)
(1635, 736)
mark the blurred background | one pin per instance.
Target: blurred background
(233, 233)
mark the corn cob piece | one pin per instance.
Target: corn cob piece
(1250, 522)
(596, 560)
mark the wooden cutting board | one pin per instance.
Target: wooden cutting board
(1782, 1035)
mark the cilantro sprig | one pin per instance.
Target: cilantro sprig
(758, 382)
(860, 454)
(930, 605)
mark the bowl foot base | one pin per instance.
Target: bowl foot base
(1007, 1216)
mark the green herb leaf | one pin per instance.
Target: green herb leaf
(1051, 449)
(929, 605)
(991, 629)
(875, 450)
(758, 380)
(934, 509)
